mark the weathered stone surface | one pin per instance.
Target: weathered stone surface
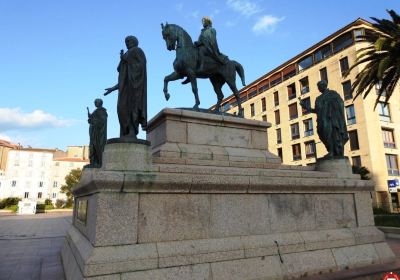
(340, 167)
(195, 272)
(307, 263)
(365, 217)
(199, 251)
(315, 240)
(369, 234)
(359, 255)
(169, 217)
(238, 215)
(127, 156)
(267, 267)
(384, 252)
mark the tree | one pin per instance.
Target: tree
(382, 58)
(363, 171)
(71, 180)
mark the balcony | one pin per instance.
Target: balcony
(308, 132)
(393, 172)
(389, 145)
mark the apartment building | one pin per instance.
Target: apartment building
(37, 174)
(373, 132)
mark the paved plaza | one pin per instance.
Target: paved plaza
(30, 246)
(30, 249)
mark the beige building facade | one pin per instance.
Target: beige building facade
(374, 132)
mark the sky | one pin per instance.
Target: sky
(57, 57)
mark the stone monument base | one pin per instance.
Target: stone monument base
(211, 205)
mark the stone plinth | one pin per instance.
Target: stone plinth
(341, 167)
(182, 216)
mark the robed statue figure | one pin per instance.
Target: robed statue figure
(98, 134)
(331, 124)
(132, 90)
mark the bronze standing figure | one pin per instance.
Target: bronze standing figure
(98, 134)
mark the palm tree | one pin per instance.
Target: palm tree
(382, 58)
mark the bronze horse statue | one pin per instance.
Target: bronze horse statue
(187, 62)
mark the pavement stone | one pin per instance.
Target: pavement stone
(31, 245)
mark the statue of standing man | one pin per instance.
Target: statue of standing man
(132, 90)
(331, 123)
(98, 134)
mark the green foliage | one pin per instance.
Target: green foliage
(381, 59)
(363, 171)
(387, 220)
(60, 203)
(381, 211)
(13, 208)
(71, 180)
(40, 208)
(9, 201)
(48, 201)
(48, 207)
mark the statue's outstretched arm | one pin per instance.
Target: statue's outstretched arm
(111, 89)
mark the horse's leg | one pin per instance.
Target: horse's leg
(192, 77)
(232, 85)
(217, 83)
(171, 77)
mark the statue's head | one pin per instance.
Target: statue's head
(206, 21)
(131, 42)
(169, 35)
(98, 102)
(322, 85)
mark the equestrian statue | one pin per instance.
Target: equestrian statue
(201, 59)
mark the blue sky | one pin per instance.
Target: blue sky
(56, 57)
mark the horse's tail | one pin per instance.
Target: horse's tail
(240, 71)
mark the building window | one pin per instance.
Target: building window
(293, 111)
(304, 85)
(40, 184)
(378, 87)
(308, 127)
(55, 184)
(388, 138)
(58, 164)
(277, 117)
(16, 163)
(296, 151)
(294, 128)
(13, 183)
(347, 90)
(305, 63)
(30, 163)
(276, 98)
(54, 195)
(252, 110)
(263, 104)
(323, 74)
(358, 33)
(307, 105)
(280, 154)
(278, 136)
(391, 164)
(342, 42)
(350, 114)
(310, 149)
(353, 136)
(39, 195)
(264, 118)
(344, 65)
(384, 113)
(291, 90)
(356, 161)
(26, 195)
(322, 53)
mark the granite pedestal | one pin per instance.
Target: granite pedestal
(208, 201)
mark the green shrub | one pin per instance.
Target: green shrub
(48, 201)
(40, 208)
(48, 207)
(9, 201)
(69, 203)
(60, 203)
(13, 208)
(380, 211)
(387, 220)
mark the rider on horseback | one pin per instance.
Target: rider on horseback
(208, 39)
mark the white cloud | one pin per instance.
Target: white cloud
(230, 23)
(244, 7)
(15, 118)
(5, 137)
(266, 24)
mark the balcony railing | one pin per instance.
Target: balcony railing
(308, 132)
(393, 172)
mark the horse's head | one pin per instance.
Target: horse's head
(169, 35)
